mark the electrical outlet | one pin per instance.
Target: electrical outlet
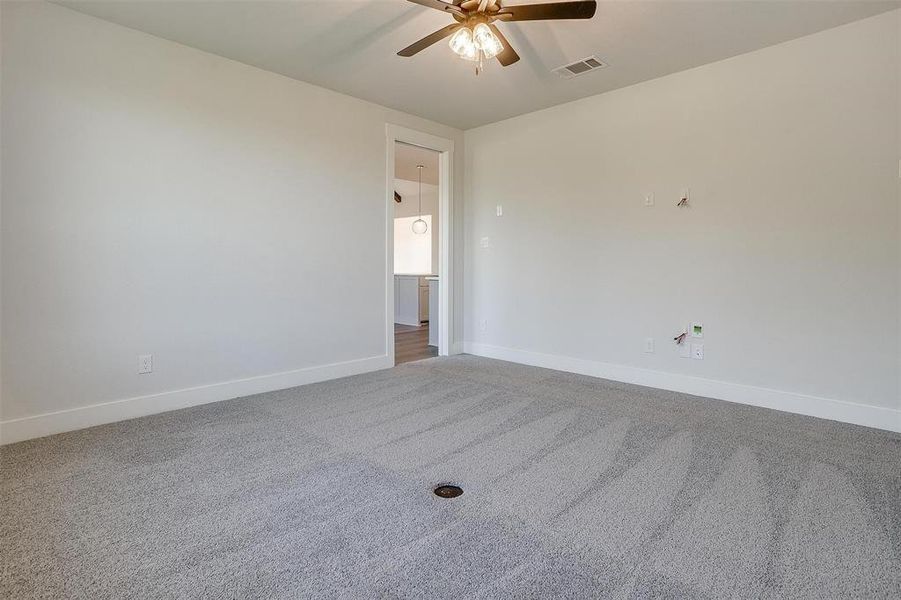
(500, 210)
(697, 351)
(649, 200)
(649, 345)
(145, 364)
(483, 325)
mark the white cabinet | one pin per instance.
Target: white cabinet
(424, 303)
(406, 300)
(411, 299)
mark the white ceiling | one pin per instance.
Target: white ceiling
(406, 157)
(350, 45)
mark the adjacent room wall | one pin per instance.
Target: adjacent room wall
(788, 252)
(160, 200)
(409, 207)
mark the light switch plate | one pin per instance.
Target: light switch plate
(500, 210)
(485, 242)
(649, 200)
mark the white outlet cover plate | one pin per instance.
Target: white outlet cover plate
(697, 351)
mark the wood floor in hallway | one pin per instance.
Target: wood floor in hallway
(412, 343)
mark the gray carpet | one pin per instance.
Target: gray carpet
(574, 488)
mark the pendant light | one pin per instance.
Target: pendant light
(420, 226)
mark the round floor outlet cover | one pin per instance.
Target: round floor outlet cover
(448, 491)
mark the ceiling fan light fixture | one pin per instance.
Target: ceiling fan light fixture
(486, 41)
(474, 36)
(461, 42)
(492, 51)
(472, 53)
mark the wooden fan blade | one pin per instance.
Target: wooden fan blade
(508, 55)
(439, 5)
(429, 40)
(582, 9)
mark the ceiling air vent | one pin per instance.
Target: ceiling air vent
(580, 67)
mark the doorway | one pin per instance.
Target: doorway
(418, 250)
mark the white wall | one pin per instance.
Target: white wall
(789, 252)
(158, 199)
(409, 206)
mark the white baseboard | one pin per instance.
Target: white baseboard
(26, 428)
(824, 408)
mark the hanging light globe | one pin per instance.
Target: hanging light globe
(420, 226)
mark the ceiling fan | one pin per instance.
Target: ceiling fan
(475, 37)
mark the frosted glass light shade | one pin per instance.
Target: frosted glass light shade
(471, 53)
(463, 44)
(420, 226)
(486, 41)
(461, 41)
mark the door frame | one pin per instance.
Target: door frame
(445, 148)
